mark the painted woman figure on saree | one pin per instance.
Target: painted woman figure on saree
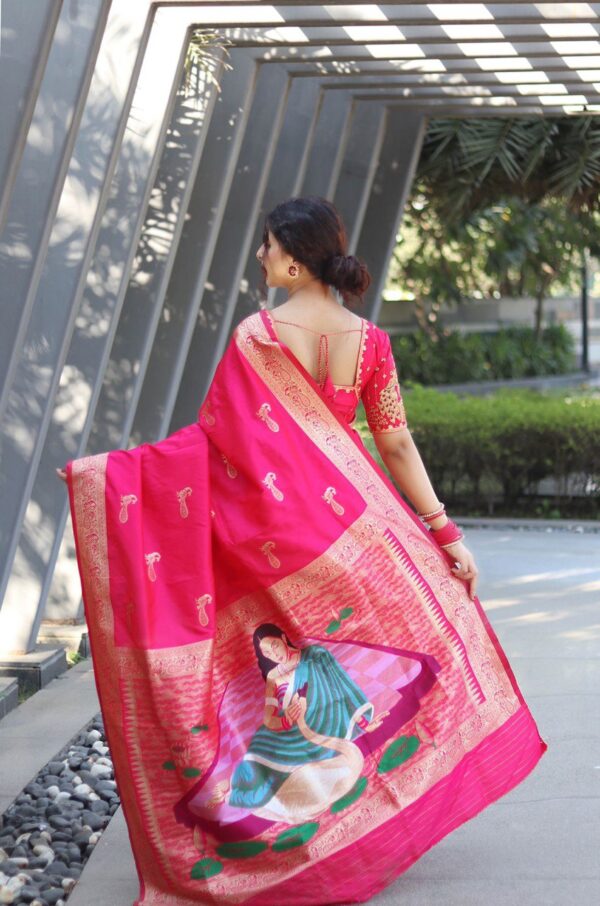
(324, 708)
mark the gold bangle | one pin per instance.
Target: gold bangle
(440, 510)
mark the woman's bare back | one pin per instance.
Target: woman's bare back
(325, 341)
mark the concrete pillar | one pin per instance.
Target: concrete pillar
(196, 248)
(25, 43)
(398, 159)
(152, 266)
(286, 178)
(327, 152)
(38, 183)
(106, 282)
(355, 180)
(229, 258)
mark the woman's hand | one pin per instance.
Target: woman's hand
(466, 568)
(296, 707)
(62, 474)
(376, 722)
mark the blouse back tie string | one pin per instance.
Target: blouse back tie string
(323, 358)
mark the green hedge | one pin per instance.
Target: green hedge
(511, 352)
(484, 454)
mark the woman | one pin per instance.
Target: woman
(270, 512)
(318, 724)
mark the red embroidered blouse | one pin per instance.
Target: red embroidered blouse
(376, 380)
(380, 391)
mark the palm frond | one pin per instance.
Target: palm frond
(466, 164)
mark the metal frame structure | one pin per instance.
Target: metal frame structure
(130, 211)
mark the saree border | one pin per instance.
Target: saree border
(86, 481)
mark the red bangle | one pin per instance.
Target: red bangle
(447, 534)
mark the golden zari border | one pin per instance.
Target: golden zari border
(88, 478)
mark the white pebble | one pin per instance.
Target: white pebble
(68, 884)
(93, 735)
(94, 838)
(44, 852)
(83, 789)
(53, 791)
(16, 882)
(62, 795)
(100, 770)
(6, 895)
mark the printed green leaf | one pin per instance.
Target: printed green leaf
(351, 796)
(205, 868)
(295, 836)
(169, 765)
(346, 612)
(191, 772)
(241, 850)
(333, 627)
(198, 728)
(396, 753)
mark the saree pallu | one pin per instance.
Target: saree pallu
(300, 698)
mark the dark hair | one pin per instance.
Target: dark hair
(260, 632)
(311, 230)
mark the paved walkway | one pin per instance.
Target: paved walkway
(32, 734)
(538, 844)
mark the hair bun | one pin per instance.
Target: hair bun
(347, 274)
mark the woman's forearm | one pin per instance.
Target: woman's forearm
(408, 471)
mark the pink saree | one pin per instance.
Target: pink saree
(299, 697)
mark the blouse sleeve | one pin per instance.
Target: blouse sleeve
(381, 394)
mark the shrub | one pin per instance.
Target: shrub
(486, 454)
(512, 352)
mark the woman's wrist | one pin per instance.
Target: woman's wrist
(442, 529)
(447, 535)
(438, 522)
(435, 517)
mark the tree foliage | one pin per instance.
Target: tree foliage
(500, 207)
(466, 165)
